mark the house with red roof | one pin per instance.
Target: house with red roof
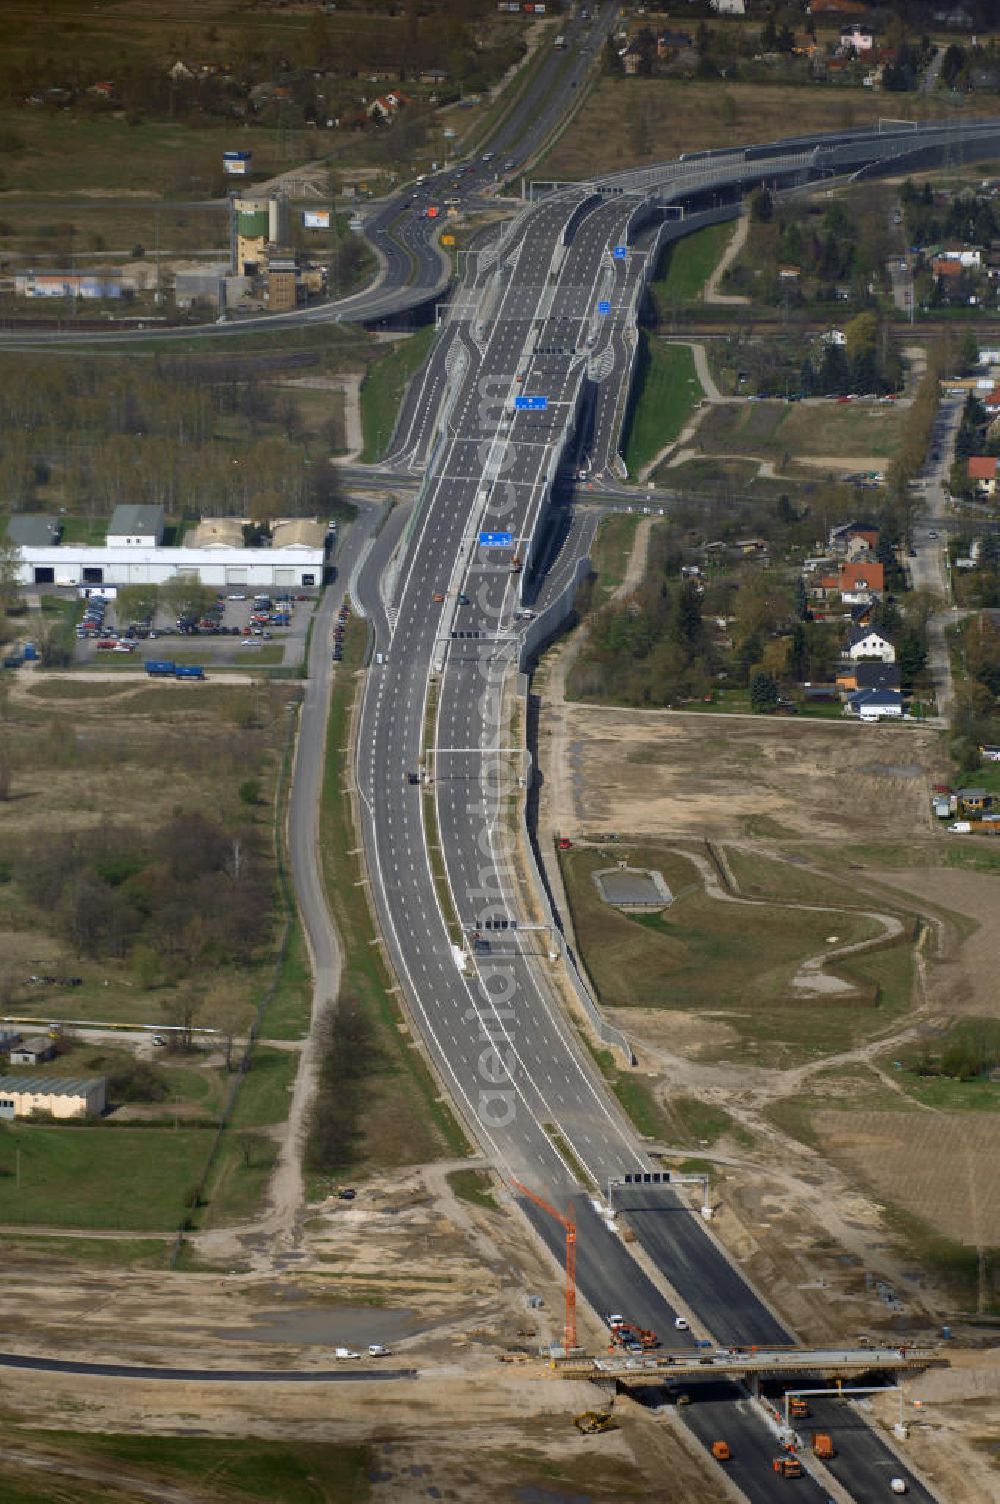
(983, 470)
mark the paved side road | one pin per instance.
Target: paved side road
(349, 1374)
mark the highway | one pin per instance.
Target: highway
(443, 853)
(545, 311)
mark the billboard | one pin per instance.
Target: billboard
(237, 164)
(315, 219)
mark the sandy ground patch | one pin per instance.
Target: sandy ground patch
(687, 1034)
(936, 1165)
(717, 777)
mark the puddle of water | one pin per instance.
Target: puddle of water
(333, 1326)
(889, 770)
(531, 1495)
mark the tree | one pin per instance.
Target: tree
(186, 597)
(181, 1012)
(761, 206)
(10, 566)
(136, 602)
(763, 692)
(249, 791)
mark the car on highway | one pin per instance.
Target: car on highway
(681, 1324)
(898, 1485)
(931, 533)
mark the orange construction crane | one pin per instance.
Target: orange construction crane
(569, 1223)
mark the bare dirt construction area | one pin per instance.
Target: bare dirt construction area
(932, 1162)
(849, 1186)
(716, 777)
(439, 1281)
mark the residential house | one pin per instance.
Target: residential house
(868, 642)
(983, 470)
(860, 578)
(969, 801)
(971, 258)
(840, 537)
(856, 39)
(989, 753)
(866, 674)
(632, 58)
(729, 7)
(861, 613)
(943, 266)
(875, 704)
(672, 43)
(33, 1051)
(837, 8)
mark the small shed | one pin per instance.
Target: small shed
(33, 1051)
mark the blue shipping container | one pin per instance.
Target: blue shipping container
(189, 671)
(159, 666)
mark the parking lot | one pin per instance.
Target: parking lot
(240, 628)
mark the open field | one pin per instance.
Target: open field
(686, 266)
(690, 116)
(735, 963)
(611, 551)
(679, 774)
(843, 433)
(666, 389)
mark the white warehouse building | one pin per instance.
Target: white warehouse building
(133, 554)
(75, 565)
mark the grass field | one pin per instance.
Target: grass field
(473, 1186)
(777, 429)
(666, 391)
(258, 1472)
(686, 266)
(679, 117)
(100, 1177)
(729, 962)
(611, 551)
(383, 387)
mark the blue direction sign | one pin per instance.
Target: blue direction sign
(496, 540)
(620, 252)
(531, 404)
(604, 306)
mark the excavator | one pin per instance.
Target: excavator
(592, 1422)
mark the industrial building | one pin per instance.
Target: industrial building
(56, 284)
(214, 553)
(62, 1096)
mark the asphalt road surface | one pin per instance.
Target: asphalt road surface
(348, 1374)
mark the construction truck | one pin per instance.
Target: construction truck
(787, 1467)
(798, 1408)
(822, 1445)
(720, 1451)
